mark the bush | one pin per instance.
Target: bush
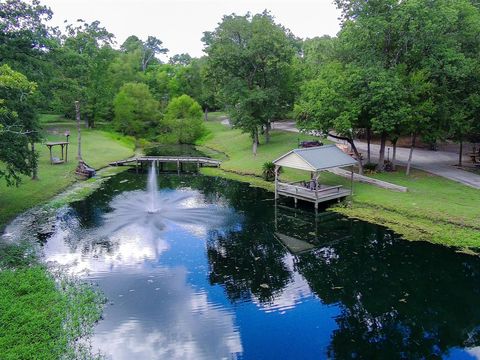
(370, 167)
(136, 111)
(184, 119)
(268, 170)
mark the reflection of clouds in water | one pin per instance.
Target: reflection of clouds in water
(294, 293)
(156, 313)
(130, 247)
(130, 234)
(181, 207)
(474, 352)
(166, 319)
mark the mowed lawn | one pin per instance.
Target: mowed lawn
(98, 149)
(434, 208)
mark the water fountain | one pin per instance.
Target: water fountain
(154, 209)
(152, 188)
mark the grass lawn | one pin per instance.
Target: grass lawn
(434, 209)
(98, 149)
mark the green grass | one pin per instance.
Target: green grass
(238, 147)
(434, 209)
(51, 118)
(42, 317)
(98, 149)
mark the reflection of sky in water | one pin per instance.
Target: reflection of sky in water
(154, 312)
(199, 281)
(154, 271)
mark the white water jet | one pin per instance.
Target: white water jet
(152, 189)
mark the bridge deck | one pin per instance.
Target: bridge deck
(179, 160)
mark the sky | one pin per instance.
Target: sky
(180, 23)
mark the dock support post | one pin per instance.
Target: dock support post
(136, 166)
(296, 200)
(351, 181)
(178, 167)
(276, 181)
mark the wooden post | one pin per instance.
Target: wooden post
(66, 153)
(77, 111)
(276, 181)
(316, 188)
(136, 166)
(351, 181)
(51, 158)
(62, 150)
(178, 167)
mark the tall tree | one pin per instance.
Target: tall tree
(18, 126)
(136, 111)
(26, 40)
(249, 58)
(151, 47)
(84, 58)
(332, 103)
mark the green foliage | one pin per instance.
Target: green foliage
(268, 170)
(19, 126)
(249, 60)
(183, 120)
(136, 111)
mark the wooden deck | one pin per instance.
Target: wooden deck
(140, 161)
(324, 193)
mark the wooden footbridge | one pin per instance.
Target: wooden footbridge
(140, 162)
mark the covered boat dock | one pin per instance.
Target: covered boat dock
(313, 160)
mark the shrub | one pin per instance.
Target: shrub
(136, 111)
(183, 118)
(268, 170)
(369, 167)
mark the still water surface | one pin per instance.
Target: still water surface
(219, 272)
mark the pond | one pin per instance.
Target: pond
(212, 269)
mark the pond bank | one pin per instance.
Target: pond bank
(434, 209)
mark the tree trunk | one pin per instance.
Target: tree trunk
(369, 139)
(206, 113)
(255, 141)
(409, 162)
(460, 155)
(77, 111)
(381, 159)
(35, 168)
(354, 149)
(267, 132)
(394, 155)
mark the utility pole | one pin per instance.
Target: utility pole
(77, 110)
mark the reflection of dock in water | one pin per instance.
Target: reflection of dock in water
(295, 246)
(293, 229)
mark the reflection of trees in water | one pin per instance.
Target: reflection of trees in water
(400, 300)
(245, 265)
